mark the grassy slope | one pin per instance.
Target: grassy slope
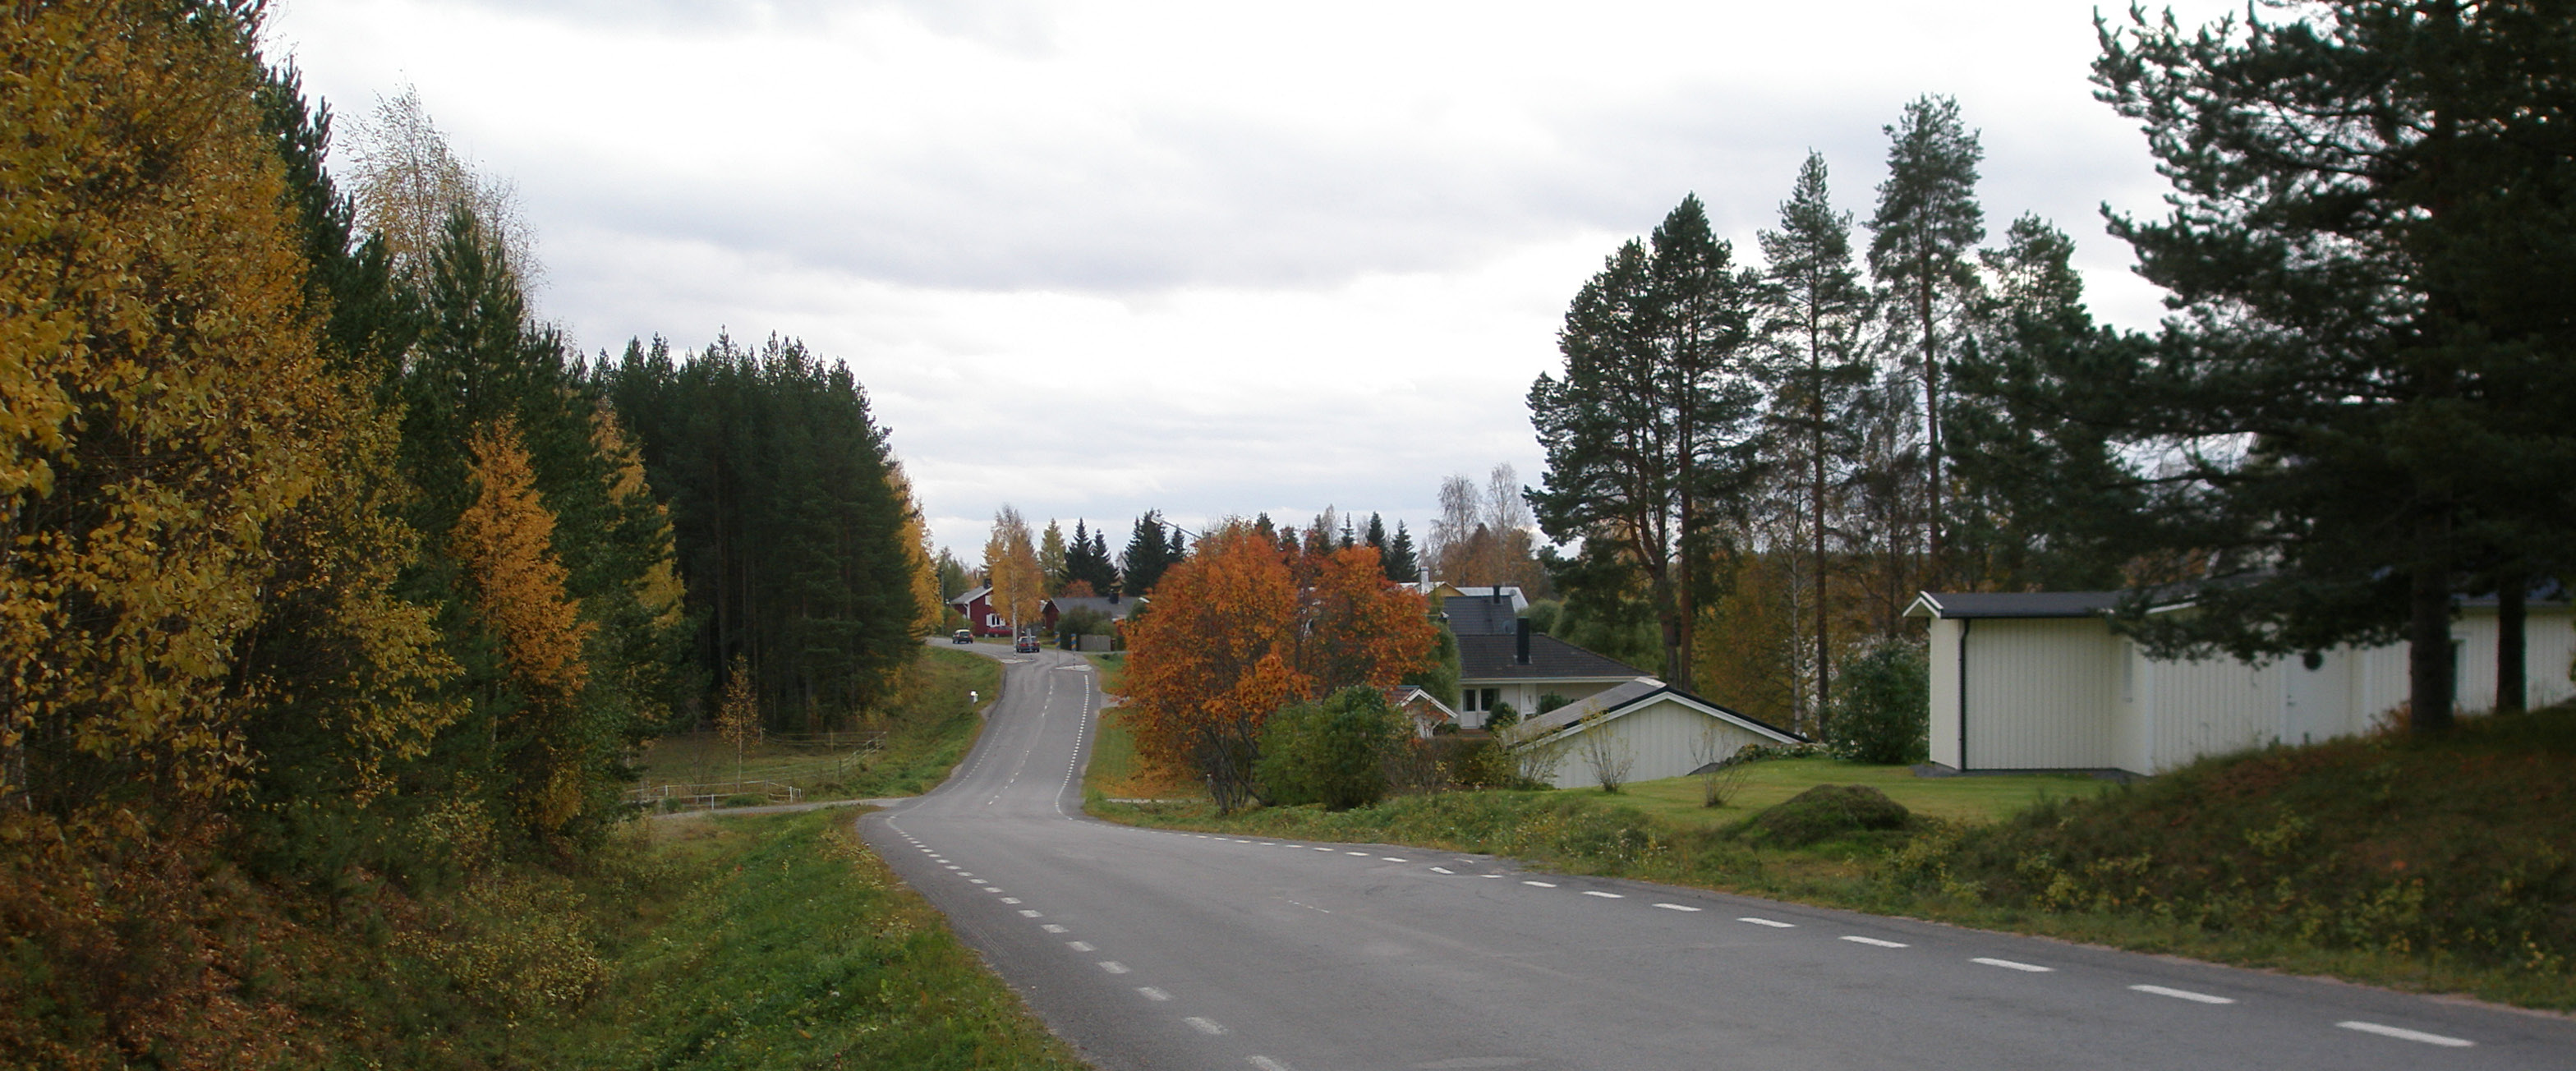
(2439, 867)
(930, 728)
(781, 941)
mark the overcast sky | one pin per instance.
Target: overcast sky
(1208, 258)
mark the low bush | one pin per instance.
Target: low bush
(1882, 712)
(1334, 753)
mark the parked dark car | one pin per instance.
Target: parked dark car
(1026, 645)
(963, 635)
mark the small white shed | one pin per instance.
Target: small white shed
(1651, 728)
(2038, 681)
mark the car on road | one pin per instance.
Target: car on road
(1026, 645)
(963, 635)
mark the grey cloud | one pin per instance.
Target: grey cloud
(1018, 26)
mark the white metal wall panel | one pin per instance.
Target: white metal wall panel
(1662, 740)
(2213, 707)
(2040, 694)
(1945, 691)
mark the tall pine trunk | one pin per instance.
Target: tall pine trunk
(2510, 681)
(2428, 634)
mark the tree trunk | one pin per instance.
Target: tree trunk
(2510, 590)
(2428, 634)
(1931, 431)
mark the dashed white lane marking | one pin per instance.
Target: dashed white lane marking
(2012, 966)
(2183, 994)
(1209, 1027)
(1080, 946)
(1028, 914)
(952, 866)
(987, 888)
(1442, 870)
(975, 881)
(1768, 922)
(1605, 895)
(1354, 853)
(2403, 1034)
(1677, 907)
(1113, 966)
(1152, 993)
(1874, 942)
(1267, 1064)
(1010, 899)
(1052, 928)
(1541, 884)
(1390, 858)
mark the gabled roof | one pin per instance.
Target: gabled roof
(1957, 605)
(1636, 695)
(1116, 609)
(1488, 658)
(1481, 617)
(968, 597)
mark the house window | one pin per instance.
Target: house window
(1480, 700)
(992, 620)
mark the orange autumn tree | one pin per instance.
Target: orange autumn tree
(1232, 637)
(504, 539)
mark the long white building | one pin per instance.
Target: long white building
(2040, 682)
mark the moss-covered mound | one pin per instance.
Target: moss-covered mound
(1826, 811)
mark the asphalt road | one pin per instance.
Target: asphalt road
(1151, 949)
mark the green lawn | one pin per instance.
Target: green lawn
(1959, 799)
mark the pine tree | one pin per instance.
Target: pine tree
(1147, 555)
(1651, 432)
(1927, 223)
(2361, 302)
(1813, 314)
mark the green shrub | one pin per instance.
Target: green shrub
(1480, 762)
(1502, 717)
(1882, 714)
(1551, 701)
(1333, 753)
(1826, 811)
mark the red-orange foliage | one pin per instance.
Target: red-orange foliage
(1232, 637)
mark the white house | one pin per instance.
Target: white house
(2039, 682)
(1501, 660)
(1649, 728)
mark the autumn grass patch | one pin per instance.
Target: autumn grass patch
(781, 941)
(925, 731)
(1112, 773)
(1957, 799)
(2440, 866)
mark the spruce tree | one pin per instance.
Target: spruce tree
(1147, 555)
(1921, 239)
(1400, 562)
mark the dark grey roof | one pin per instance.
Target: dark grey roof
(1630, 694)
(1491, 658)
(1955, 605)
(1480, 617)
(1116, 609)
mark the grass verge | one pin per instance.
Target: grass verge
(928, 729)
(781, 941)
(2438, 866)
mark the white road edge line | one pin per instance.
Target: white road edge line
(1677, 907)
(2183, 994)
(1874, 942)
(1210, 1027)
(1768, 922)
(2403, 1034)
(2012, 966)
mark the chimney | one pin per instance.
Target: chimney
(1520, 648)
